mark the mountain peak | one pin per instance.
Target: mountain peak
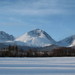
(36, 33)
(37, 29)
(5, 36)
(69, 41)
(36, 37)
(2, 32)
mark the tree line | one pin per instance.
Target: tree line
(14, 51)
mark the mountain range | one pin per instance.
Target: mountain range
(35, 38)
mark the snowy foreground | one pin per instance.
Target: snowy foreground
(37, 66)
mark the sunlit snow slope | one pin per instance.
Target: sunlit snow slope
(37, 37)
(68, 42)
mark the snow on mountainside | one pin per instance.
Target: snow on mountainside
(68, 42)
(35, 38)
(5, 37)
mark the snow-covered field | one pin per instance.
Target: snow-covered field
(37, 66)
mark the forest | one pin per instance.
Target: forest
(14, 51)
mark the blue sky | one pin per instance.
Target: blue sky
(56, 17)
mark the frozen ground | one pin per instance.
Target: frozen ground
(37, 66)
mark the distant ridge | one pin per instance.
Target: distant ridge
(35, 38)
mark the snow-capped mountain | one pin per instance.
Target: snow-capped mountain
(68, 42)
(5, 37)
(35, 38)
